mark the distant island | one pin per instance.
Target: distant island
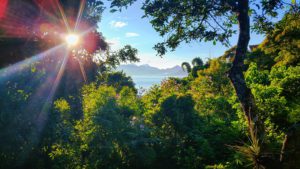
(147, 70)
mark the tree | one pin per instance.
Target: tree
(280, 45)
(106, 137)
(197, 61)
(213, 21)
(186, 67)
(118, 80)
(197, 65)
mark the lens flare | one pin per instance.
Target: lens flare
(3, 7)
(72, 39)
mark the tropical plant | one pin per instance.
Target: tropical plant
(186, 67)
(197, 65)
(197, 62)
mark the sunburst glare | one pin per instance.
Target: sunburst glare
(56, 32)
(72, 39)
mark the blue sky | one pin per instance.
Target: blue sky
(128, 27)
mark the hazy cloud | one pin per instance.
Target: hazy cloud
(114, 43)
(118, 24)
(131, 34)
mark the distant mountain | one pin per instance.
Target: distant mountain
(147, 70)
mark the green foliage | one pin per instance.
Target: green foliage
(168, 111)
(276, 93)
(124, 55)
(118, 80)
(281, 47)
(106, 137)
(254, 76)
(283, 40)
(287, 79)
(130, 104)
(175, 125)
(62, 105)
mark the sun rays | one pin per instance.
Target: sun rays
(70, 39)
(66, 37)
(79, 15)
(6, 73)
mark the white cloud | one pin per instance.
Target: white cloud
(131, 34)
(118, 24)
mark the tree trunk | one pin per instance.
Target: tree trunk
(236, 72)
(290, 150)
(255, 124)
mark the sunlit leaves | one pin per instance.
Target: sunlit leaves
(253, 76)
(288, 79)
(130, 104)
(276, 93)
(118, 80)
(62, 105)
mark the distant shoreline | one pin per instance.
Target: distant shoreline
(146, 82)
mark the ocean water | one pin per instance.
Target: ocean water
(146, 82)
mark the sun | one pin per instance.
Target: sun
(72, 39)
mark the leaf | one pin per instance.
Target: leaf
(113, 10)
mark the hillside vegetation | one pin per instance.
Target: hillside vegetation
(183, 123)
